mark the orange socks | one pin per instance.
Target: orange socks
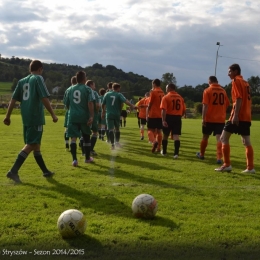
(219, 150)
(249, 157)
(151, 136)
(159, 140)
(226, 154)
(203, 145)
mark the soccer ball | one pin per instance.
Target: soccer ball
(144, 206)
(71, 223)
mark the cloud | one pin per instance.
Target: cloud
(146, 37)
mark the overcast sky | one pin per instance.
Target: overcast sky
(147, 37)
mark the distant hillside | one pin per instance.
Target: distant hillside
(13, 69)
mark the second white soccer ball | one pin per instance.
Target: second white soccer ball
(71, 223)
(144, 206)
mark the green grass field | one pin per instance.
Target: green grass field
(201, 214)
(5, 92)
(5, 88)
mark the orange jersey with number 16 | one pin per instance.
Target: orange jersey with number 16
(174, 104)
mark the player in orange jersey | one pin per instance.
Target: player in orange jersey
(137, 113)
(173, 108)
(153, 115)
(215, 103)
(142, 106)
(239, 121)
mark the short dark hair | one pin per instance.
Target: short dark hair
(109, 85)
(171, 86)
(89, 82)
(80, 76)
(116, 86)
(213, 79)
(234, 67)
(157, 82)
(73, 80)
(102, 92)
(35, 65)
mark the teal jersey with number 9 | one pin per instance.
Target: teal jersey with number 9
(77, 100)
(29, 92)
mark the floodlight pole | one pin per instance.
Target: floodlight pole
(218, 43)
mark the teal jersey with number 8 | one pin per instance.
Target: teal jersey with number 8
(30, 91)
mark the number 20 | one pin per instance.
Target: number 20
(218, 98)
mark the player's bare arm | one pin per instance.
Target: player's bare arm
(47, 105)
(235, 119)
(147, 110)
(103, 111)
(7, 120)
(142, 105)
(91, 112)
(130, 104)
(163, 118)
(204, 112)
(97, 106)
(184, 114)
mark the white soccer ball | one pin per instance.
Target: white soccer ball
(71, 223)
(144, 206)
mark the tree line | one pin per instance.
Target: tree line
(59, 75)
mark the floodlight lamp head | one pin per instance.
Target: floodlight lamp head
(218, 43)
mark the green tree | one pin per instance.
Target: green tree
(54, 76)
(168, 78)
(189, 103)
(15, 81)
(255, 100)
(254, 83)
(188, 92)
(49, 85)
(228, 89)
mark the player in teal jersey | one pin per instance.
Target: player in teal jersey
(79, 101)
(101, 122)
(94, 128)
(32, 94)
(109, 88)
(111, 108)
(123, 115)
(66, 138)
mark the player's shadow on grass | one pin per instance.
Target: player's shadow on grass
(160, 221)
(117, 172)
(108, 205)
(91, 246)
(94, 248)
(151, 165)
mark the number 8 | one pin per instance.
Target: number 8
(26, 91)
